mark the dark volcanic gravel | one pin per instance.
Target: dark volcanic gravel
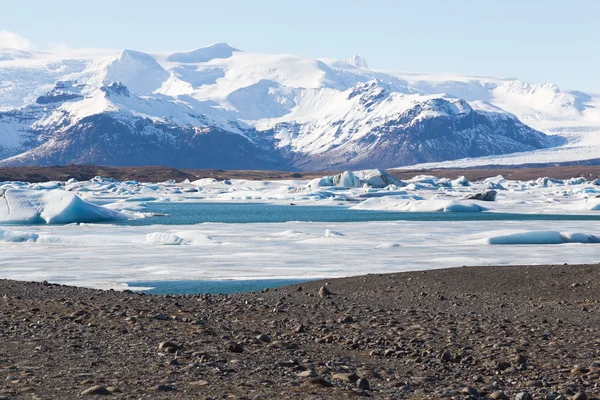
(466, 333)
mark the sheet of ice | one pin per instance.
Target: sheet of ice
(50, 207)
(401, 203)
(541, 237)
(107, 255)
(164, 238)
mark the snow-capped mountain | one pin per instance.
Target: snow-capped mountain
(219, 107)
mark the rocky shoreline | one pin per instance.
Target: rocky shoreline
(465, 333)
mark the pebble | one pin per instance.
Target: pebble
(523, 396)
(363, 384)
(323, 291)
(96, 390)
(346, 377)
(318, 381)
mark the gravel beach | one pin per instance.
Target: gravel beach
(517, 332)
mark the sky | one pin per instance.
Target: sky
(537, 41)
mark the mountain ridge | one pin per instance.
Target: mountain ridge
(287, 112)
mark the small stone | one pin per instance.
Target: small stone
(161, 317)
(164, 388)
(579, 396)
(578, 369)
(96, 390)
(499, 396)
(523, 396)
(234, 347)
(363, 384)
(306, 374)
(520, 359)
(323, 291)
(199, 383)
(469, 391)
(317, 381)
(286, 364)
(346, 377)
(446, 356)
(264, 338)
(169, 347)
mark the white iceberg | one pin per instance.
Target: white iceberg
(19, 206)
(164, 238)
(541, 237)
(409, 204)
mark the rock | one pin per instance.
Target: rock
(488, 195)
(499, 396)
(324, 292)
(234, 347)
(501, 365)
(161, 317)
(579, 369)
(363, 384)
(264, 338)
(286, 364)
(300, 329)
(469, 391)
(199, 383)
(306, 374)
(446, 356)
(523, 396)
(318, 381)
(579, 396)
(164, 388)
(520, 359)
(169, 347)
(346, 377)
(96, 390)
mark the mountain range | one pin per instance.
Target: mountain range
(220, 107)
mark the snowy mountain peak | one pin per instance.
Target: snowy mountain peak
(218, 106)
(204, 54)
(357, 61)
(140, 72)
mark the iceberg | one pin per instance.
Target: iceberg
(542, 237)
(21, 206)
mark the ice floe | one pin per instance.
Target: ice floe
(50, 207)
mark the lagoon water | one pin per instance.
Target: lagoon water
(211, 286)
(184, 213)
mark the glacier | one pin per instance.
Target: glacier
(220, 107)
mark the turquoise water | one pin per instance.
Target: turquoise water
(212, 287)
(195, 213)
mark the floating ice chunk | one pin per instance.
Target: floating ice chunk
(407, 204)
(164, 238)
(495, 179)
(126, 205)
(50, 207)
(347, 179)
(576, 181)
(194, 237)
(462, 181)
(378, 178)
(17, 236)
(542, 237)
(387, 246)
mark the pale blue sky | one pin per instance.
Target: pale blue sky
(535, 40)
